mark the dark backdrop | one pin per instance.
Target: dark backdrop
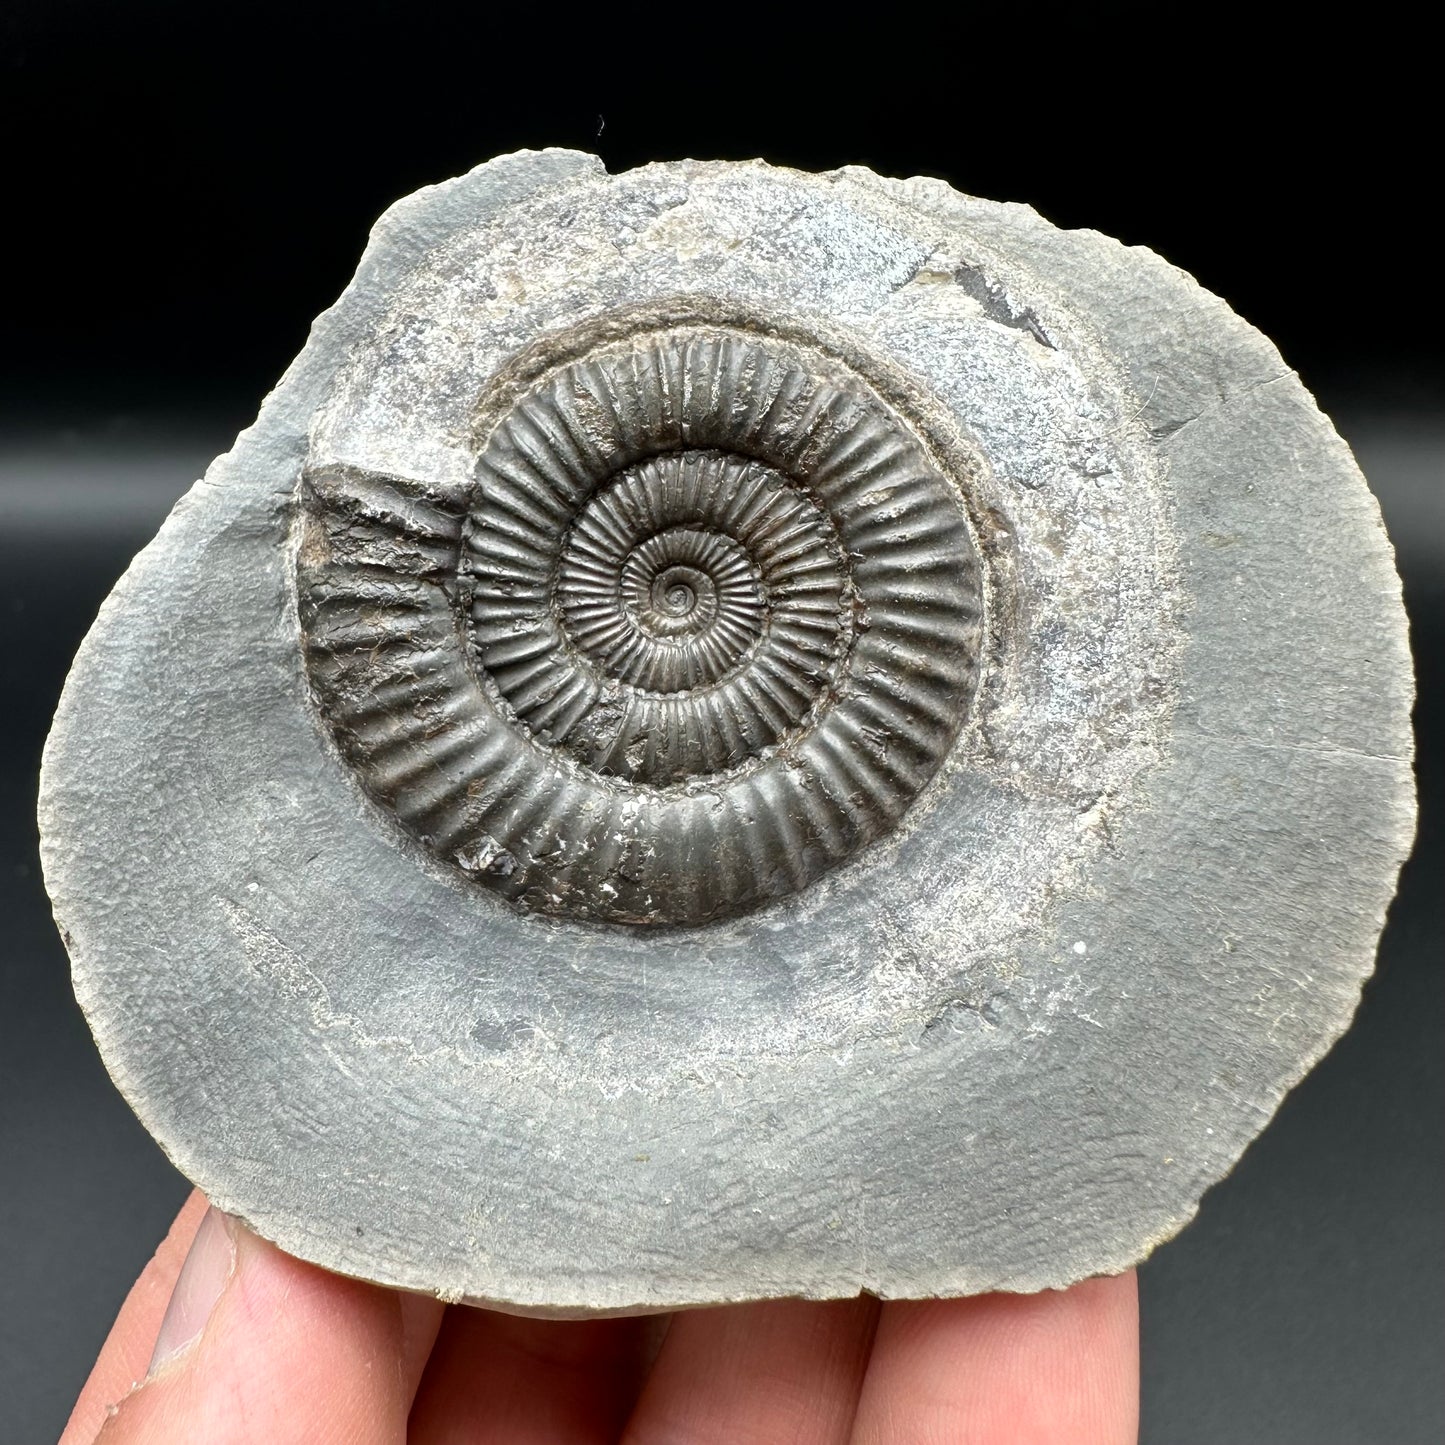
(187, 186)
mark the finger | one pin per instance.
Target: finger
(781, 1370)
(495, 1377)
(256, 1345)
(1062, 1365)
(127, 1349)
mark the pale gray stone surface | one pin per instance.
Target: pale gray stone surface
(1007, 1041)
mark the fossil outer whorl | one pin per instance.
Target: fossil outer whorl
(708, 622)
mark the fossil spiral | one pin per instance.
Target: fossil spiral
(705, 624)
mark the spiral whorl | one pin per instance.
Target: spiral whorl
(707, 624)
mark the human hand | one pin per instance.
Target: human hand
(246, 1344)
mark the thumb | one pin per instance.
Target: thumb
(256, 1345)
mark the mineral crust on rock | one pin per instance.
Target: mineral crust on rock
(733, 733)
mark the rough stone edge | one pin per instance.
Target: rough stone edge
(401, 237)
(275, 441)
(1022, 223)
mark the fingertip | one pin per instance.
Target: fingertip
(207, 1269)
(772, 1370)
(1056, 1365)
(128, 1346)
(421, 1321)
(264, 1346)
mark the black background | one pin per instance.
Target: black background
(187, 186)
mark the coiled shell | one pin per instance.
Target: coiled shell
(707, 622)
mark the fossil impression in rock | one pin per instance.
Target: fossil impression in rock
(731, 733)
(720, 615)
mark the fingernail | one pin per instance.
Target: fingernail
(203, 1276)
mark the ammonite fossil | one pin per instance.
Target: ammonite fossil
(705, 623)
(732, 733)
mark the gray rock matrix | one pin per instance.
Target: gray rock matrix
(731, 733)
